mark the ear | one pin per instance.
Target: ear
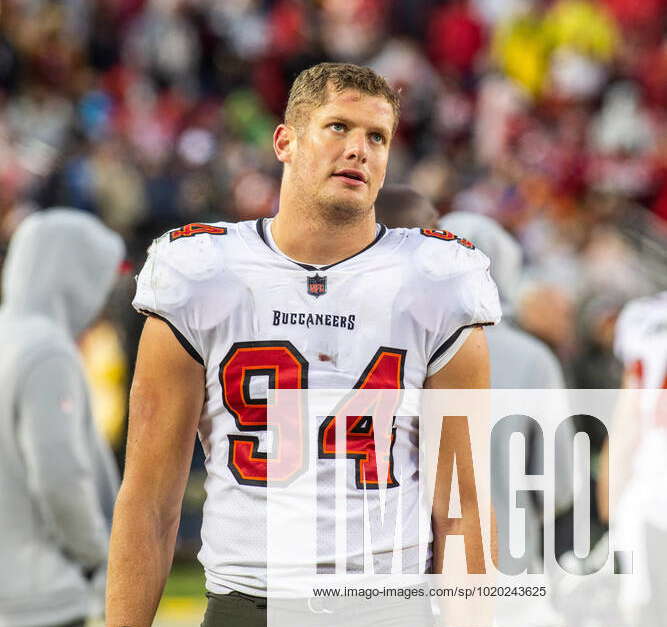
(284, 138)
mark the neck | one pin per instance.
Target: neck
(312, 239)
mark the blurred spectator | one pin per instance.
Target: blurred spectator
(583, 26)
(547, 312)
(118, 188)
(456, 37)
(632, 15)
(594, 365)
(493, 11)
(351, 29)
(57, 478)
(400, 206)
(163, 42)
(521, 48)
(546, 115)
(105, 365)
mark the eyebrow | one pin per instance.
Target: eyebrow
(386, 132)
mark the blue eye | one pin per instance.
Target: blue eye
(339, 127)
(378, 138)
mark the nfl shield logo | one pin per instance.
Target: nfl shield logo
(317, 285)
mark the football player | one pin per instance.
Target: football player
(639, 440)
(318, 297)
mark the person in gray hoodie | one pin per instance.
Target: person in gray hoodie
(57, 478)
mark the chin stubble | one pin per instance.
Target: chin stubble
(340, 213)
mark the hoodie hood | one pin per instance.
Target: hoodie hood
(496, 243)
(61, 264)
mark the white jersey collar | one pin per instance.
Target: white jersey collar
(264, 232)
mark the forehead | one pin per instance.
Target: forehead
(353, 104)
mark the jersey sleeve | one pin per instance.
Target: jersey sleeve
(628, 329)
(169, 287)
(459, 293)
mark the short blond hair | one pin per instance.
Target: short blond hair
(311, 88)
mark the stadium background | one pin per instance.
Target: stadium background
(548, 115)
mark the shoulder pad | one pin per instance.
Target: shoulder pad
(441, 254)
(196, 228)
(447, 236)
(192, 250)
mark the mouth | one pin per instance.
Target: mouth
(352, 177)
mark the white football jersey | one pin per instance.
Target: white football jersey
(641, 340)
(641, 344)
(387, 317)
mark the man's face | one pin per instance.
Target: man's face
(340, 154)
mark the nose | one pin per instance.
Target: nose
(356, 148)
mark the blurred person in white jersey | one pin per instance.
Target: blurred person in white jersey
(321, 296)
(639, 456)
(58, 479)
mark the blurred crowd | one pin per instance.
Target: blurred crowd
(547, 115)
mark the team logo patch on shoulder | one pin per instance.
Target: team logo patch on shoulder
(196, 228)
(447, 236)
(317, 285)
